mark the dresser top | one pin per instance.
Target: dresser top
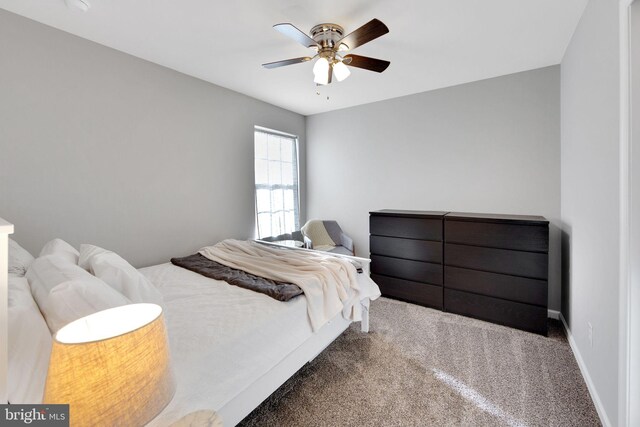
(497, 218)
(408, 214)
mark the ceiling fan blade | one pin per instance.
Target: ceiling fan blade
(287, 62)
(371, 64)
(330, 74)
(291, 31)
(369, 31)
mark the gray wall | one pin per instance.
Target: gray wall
(489, 146)
(590, 197)
(98, 146)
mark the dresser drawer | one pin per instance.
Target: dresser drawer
(412, 228)
(419, 250)
(419, 293)
(522, 316)
(416, 271)
(526, 264)
(514, 288)
(507, 236)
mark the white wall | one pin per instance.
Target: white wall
(634, 235)
(98, 146)
(488, 146)
(590, 199)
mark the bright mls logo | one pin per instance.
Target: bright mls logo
(34, 415)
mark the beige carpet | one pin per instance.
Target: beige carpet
(423, 367)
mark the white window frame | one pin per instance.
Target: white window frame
(295, 187)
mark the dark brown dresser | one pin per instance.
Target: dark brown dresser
(406, 255)
(496, 267)
(491, 267)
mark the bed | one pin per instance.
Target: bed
(230, 347)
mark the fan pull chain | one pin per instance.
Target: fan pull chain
(320, 88)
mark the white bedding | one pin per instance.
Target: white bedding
(222, 337)
(330, 284)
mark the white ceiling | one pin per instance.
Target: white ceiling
(431, 43)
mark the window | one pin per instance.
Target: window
(276, 174)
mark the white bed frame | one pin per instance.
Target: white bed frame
(240, 406)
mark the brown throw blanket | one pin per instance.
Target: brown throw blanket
(208, 268)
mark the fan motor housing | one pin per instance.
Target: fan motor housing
(327, 35)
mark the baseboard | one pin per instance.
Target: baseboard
(585, 374)
(553, 314)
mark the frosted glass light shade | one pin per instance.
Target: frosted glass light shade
(341, 71)
(112, 367)
(321, 71)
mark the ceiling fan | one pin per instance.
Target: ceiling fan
(330, 44)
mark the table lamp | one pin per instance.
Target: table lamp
(112, 367)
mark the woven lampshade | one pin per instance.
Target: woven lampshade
(112, 367)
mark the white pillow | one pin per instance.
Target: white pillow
(65, 292)
(119, 274)
(19, 259)
(74, 299)
(29, 345)
(60, 247)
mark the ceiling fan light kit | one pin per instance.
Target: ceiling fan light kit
(341, 71)
(330, 43)
(321, 71)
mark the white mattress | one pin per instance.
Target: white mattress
(222, 337)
